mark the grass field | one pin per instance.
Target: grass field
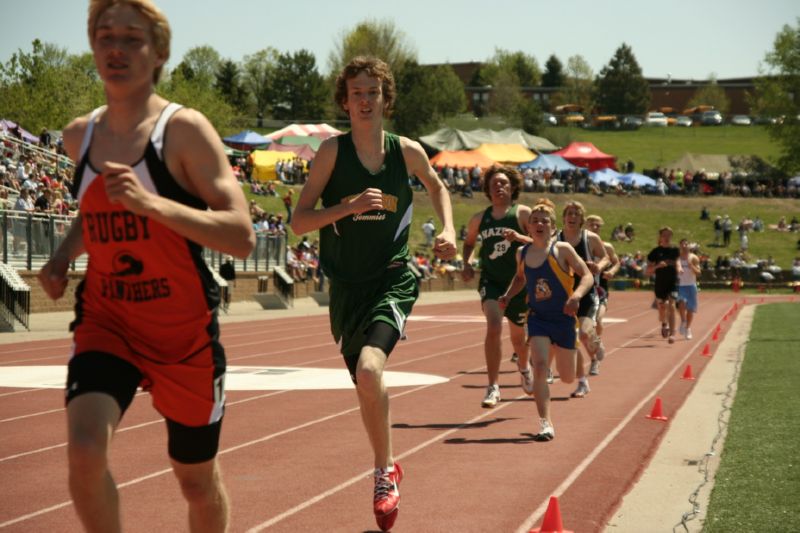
(657, 147)
(652, 147)
(757, 486)
(647, 213)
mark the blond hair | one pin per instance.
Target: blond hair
(159, 25)
(544, 204)
(595, 218)
(578, 207)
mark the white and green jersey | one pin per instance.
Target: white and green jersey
(361, 247)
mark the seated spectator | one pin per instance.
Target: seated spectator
(796, 268)
(630, 233)
(618, 234)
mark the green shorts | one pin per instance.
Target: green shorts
(355, 306)
(516, 310)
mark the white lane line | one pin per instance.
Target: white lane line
(534, 517)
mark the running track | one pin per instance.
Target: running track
(298, 460)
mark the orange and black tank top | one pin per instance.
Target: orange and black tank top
(143, 280)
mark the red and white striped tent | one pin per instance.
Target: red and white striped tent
(322, 131)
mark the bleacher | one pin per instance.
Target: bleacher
(15, 300)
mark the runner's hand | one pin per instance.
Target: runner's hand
(467, 273)
(53, 277)
(444, 246)
(502, 301)
(370, 199)
(123, 186)
(571, 306)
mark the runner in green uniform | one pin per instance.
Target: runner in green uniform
(498, 266)
(364, 220)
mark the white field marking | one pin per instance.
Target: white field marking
(534, 517)
(239, 446)
(448, 318)
(236, 378)
(539, 511)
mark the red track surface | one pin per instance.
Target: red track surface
(300, 461)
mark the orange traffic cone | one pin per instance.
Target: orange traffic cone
(706, 351)
(656, 413)
(687, 373)
(552, 519)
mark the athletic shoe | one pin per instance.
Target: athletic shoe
(514, 357)
(689, 333)
(600, 354)
(664, 330)
(582, 390)
(526, 377)
(550, 378)
(546, 431)
(671, 339)
(492, 396)
(594, 369)
(682, 329)
(387, 496)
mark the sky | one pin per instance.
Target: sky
(681, 39)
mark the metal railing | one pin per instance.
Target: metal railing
(15, 298)
(30, 239)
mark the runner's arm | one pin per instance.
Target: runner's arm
(306, 216)
(417, 163)
(469, 246)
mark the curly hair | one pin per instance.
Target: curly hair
(511, 173)
(374, 68)
(159, 25)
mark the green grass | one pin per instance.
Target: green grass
(657, 147)
(647, 213)
(651, 147)
(757, 486)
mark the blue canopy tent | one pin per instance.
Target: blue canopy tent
(549, 162)
(609, 176)
(246, 140)
(638, 180)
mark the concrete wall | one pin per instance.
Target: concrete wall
(247, 283)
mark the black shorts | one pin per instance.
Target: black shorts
(589, 306)
(666, 290)
(104, 373)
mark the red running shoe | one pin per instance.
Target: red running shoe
(387, 496)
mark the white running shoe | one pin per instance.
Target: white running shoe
(594, 369)
(600, 354)
(492, 397)
(550, 378)
(546, 431)
(688, 333)
(514, 357)
(582, 390)
(526, 377)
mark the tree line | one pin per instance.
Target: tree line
(46, 86)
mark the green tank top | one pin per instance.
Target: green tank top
(359, 248)
(498, 256)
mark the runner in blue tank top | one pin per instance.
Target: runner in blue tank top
(545, 267)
